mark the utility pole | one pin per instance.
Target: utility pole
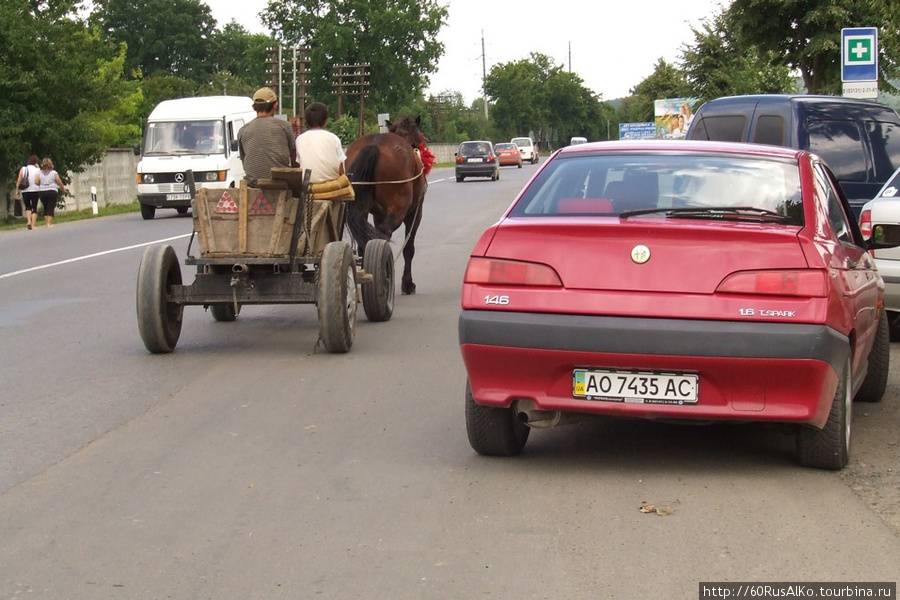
(483, 75)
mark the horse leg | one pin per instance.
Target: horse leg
(414, 217)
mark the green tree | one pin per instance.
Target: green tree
(512, 89)
(720, 63)
(666, 81)
(396, 38)
(806, 35)
(163, 37)
(59, 84)
(241, 54)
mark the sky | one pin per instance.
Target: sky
(611, 45)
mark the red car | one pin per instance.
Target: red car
(694, 281)
(508, 154)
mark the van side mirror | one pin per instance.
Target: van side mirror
(234, 145)
(884, 235)
(136, 149)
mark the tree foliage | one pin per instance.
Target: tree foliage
(60, 85)
(396, 38)
(721, 63)
(162, 37)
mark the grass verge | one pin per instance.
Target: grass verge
(63, 215)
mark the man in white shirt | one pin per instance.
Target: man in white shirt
(318, 149)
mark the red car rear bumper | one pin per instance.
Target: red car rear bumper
(747, 371)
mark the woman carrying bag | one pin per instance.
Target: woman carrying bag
(30, 191)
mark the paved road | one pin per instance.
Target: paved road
(246, 465)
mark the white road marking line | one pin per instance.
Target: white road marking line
(95, 255)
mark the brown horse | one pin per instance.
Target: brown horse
(388, 178)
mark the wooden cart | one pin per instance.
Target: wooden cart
(280, 243)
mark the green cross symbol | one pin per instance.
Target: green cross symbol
(859, 50)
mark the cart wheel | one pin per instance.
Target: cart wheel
(223, 312)
(337, 297)
(378, 294)
(159, 321)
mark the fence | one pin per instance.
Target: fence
(114, 177)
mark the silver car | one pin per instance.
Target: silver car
(885, 208)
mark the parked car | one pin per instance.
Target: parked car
(527, 148)
(858, 139)
(576, 139)
(476, 159)
(885, 208)
(508, 154)
(675, 280)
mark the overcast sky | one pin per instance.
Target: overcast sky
(611, 45)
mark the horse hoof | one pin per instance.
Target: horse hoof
(408, 289)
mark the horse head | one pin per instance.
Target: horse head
(408, 129)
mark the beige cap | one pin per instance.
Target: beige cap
(264, 95)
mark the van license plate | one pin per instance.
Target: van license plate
(640, 387)
(178, 197)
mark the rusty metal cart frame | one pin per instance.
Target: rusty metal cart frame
(242, 264)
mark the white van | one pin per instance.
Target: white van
(576, 139)
(527, 149)
(190, 134)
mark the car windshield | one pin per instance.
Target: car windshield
(184, 137)
(476, 149)
(733, 187)
(505, 146)
(522, 143)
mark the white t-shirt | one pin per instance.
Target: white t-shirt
(31, 172)
(320, 151)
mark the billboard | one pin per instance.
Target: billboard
(672, 117)
(637, 131)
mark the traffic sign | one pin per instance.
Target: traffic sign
(859, 54)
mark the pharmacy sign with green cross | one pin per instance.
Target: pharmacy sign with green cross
(859, 54)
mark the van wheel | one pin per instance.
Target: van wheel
(147, 211)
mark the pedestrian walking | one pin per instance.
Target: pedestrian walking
(29, 194)
(49, 186)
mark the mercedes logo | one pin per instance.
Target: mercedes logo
(179, 177)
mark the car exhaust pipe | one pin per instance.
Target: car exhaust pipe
(527, 412)
(239, 268)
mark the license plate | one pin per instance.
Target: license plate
(178, 196)
(475, 160)
(635, 386)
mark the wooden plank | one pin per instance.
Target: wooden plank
(207, 238)
(242, 217)
(278, 224)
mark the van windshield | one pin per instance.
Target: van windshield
(184, 137)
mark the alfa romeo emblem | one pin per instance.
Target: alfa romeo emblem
(640, 254)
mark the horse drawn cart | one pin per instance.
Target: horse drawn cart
(280, 243)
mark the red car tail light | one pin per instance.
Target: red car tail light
(510, 272)
(806, 283)
(865, 223)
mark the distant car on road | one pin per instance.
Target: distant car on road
(527, 148)
(508, 154)
(476, 159)
(885, 208)
(577, 140)
(675, 280)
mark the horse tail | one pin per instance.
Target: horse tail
(363, 171)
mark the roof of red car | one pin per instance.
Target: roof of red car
(686, 145)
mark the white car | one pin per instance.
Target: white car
(527, 148)
(885, 208)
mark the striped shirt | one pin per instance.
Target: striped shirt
(265, 142)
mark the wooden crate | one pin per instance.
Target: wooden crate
(245, 221)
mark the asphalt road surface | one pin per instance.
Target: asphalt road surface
(248, 465)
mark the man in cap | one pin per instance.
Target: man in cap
(266, 142)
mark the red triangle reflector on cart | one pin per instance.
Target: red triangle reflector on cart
(261, 206)
(226, 204)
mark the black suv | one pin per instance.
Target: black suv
(858, 139)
